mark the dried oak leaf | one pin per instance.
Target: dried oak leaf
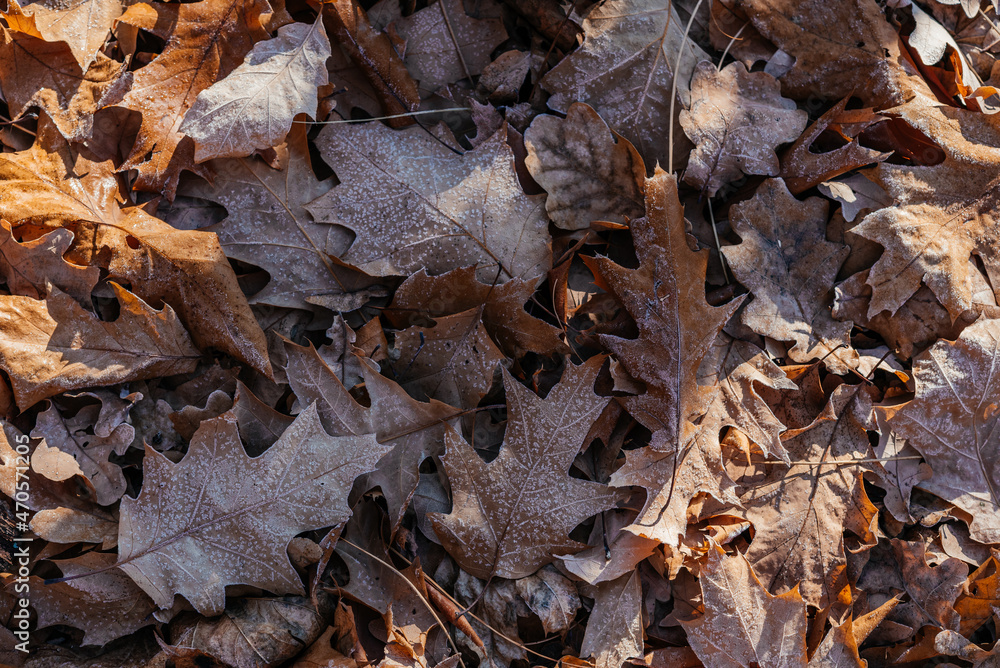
(48, 346)
(413, 429)
(445, 45)
(800, 510)
(67, 451)
(252, 632)
(932, 590)
(744, 626)
(69, 525)
(943, 213)
(205, 41)
(511, 516)
(900, 468)
(686, 403)
(105, 605)
(267, 225)
(953, 423)
(802, 169)
(666, 297)
(614, 630)
(552, 597)
(625, 69)
(220, 517)
(829, 62)
(254, 106)
(590, 172)
(916, 325)
(788, 265)
(83, 25)
(414, 204)
(56, 185)
(453, 361)
(29, 266)
(374, 53)
(736, 120)
(839, 648)
(44, 73)
(420, 297)
(980, 597)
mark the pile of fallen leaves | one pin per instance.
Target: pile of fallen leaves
(521, 333)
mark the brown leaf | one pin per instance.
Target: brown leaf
(248, 510)
(551, 597)
(29, 266)
(860, 57)
(322, 655)
(665, 295)
(57, 185)
(67, 452)
(515, 331)
(205, 41)
(625, 69)
(952, 423)
(252, 632)
(932, 590)
(799, 512)
(980, 597)
(590, 172)
(106, 605)
(48, 346)
(260, 425)
(445, 45)
(614, 632)
(47, 74)
(453, 361)
(68, 525)
(373, 53)
(677, 330)
(267, 225)
(898, 471)
(439, 212)
(82, 24)
(943, 213)
(744, 625)
(254, 106)
(512, 516)
(801, 168)
(918, 323)
(789, 266)
(413, 429)
(736, 120)
(839, 649)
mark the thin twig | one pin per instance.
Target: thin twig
(416, 591)
(673, 86)
(384, 118)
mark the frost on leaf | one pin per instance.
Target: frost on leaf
(415, 204)
(513, 515)
(953, 423)
(51, 345)
(267, 225)
(253, 107)
(219, 517)
(943, 214)
(444, 44)
(789, 267)
(590, 172)
(743, 625)
(736, 121)
(624, 70)
(206, 41)
(666, 297)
